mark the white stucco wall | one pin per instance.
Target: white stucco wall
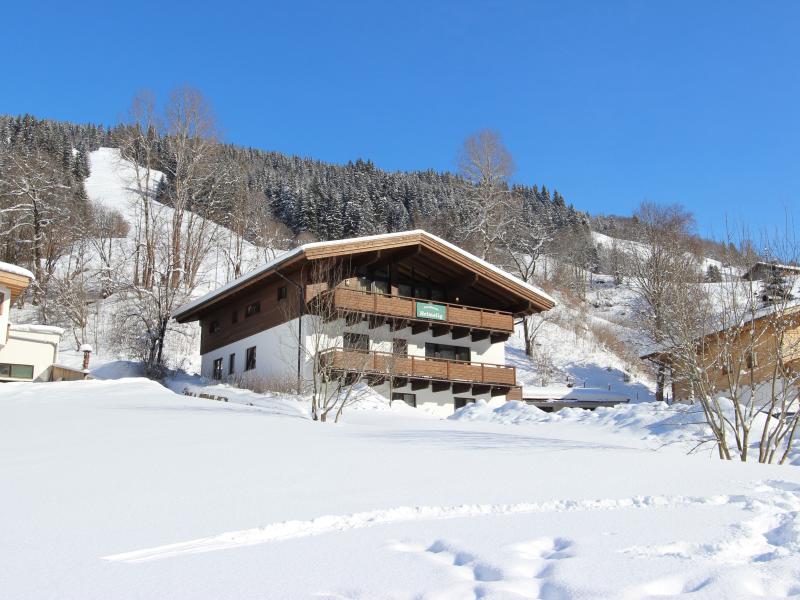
(32, 345)
(5, 310)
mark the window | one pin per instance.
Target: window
(380, 287)
(2, 302)
(752, 360)
(250, 359)
(214, 327)
(437, 294)
(356, 341)
(462, 402)
(281, 293)
(235, 317)
(217, 371)
(252, 309)
(16, 371)
(405, 289)
(410, 399)
(400, 347)
(363, 284)
(231, 363)
(447, 352)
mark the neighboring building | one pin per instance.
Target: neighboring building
(745, 355)
(426, 321)
(27, 352)
(762, 271)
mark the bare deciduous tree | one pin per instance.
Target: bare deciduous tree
(486, 166)
(659, 267)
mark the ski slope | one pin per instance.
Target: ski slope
(122, 489)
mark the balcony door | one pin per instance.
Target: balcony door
(447, 352)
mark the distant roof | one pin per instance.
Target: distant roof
(16, 270)
(15, 278)
(655, 351)
(317, 250)
(771, 265)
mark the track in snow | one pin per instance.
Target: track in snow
(287, 530)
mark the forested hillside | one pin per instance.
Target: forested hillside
(321, 200)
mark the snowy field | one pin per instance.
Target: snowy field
(124, 489)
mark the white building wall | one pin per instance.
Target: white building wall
(276, 354)
(31, 345)
(5, 310)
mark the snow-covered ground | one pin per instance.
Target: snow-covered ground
(124, 489)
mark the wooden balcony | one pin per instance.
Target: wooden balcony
(424, 313)
(419, 367)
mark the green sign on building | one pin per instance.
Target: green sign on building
(428, 310)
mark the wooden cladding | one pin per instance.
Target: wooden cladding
(406, 308)
(270, 312)
(418, 366)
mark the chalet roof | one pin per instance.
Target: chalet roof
(321, 250)
(771, 265)
(15, 278)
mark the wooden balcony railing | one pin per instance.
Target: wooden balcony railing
(415, 309)
(386, 363)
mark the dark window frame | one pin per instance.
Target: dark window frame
(250, 358)
(252, 309)
(214, 326)
(355, 341)
(400, 347)
(461, 353)
(231, 363)
(216, 369)
(283, 293)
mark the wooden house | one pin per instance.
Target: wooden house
(423, 320)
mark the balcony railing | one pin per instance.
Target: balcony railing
(396, 365)
(417, 309)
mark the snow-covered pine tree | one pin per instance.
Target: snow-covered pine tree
(775, 288)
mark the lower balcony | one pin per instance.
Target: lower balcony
(395, 367)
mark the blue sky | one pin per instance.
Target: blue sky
(611, 103)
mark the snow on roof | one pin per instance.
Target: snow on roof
(776, 265)
(567, 393)
(32, 328)
(280, 259)
(787, 307)
(16, 270)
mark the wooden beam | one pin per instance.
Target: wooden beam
(499, 337)
(440, 330)
(461, 387)
(460, 332)
(462, 282)
(419, 327)
(440, 386)
(398, 382)
(395, 257)
(420, 384)
(479, 335)
(397, 324)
